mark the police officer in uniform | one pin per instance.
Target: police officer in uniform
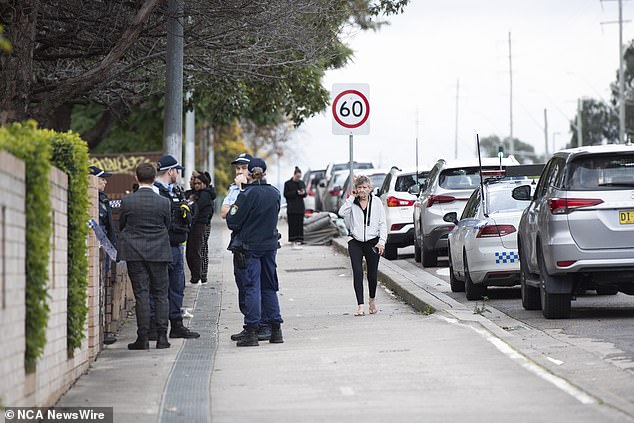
(253, 218)
(168, 168)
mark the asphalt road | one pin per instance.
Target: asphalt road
(597, 321)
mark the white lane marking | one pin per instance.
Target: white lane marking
(554, 360)
(346, 391)
(443, 272)
(506, 349)
(342, 275)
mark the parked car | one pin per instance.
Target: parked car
(311, 179)
(377, 176)
(483, 245)
(398, 202)
(334, 167)
(333, 190)
(578, 231)
(449, 186)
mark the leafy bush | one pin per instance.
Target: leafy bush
(26, 143)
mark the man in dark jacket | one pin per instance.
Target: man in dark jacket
(167, 176)
(295, 192)
(144, 245)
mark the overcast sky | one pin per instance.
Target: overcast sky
(560, 52)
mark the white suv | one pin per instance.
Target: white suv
(398, 203)
(447, 190)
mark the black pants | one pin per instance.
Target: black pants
(204, 253)
(193, 251)
(295, 227)
(357, 251)
(149, 279)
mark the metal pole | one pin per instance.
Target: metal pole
(546, 131)
(417, 146)
(579, 123)
(190, 143)
(511, 142)
(456, 138)
(173, 124)
(351, 161)
(621, 78)
(212, 158)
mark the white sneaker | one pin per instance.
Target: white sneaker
(298, 246)
(186, 313)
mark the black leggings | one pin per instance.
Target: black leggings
(295, 227)
(357, 251)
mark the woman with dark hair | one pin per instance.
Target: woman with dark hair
(294, 192)
(203, 196)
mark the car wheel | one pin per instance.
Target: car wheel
(429, 258)
(456, 285)
(554, 306)
(417, 252)
(607, 290)
(391, 252)
(531, 298)
(473, 291)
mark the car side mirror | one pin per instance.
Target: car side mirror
(322, 184)
(522, 193)
(414, 189)
(376, 191)
(451, 217)
(423, 186)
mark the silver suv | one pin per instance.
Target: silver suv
(578, 231)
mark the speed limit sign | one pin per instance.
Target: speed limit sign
(350, 109)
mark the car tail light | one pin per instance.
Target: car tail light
(335, 192)
(488, 231)
(398, 202)
(567, 205)
(438, 199)
(397, 226)
(566, 263)
(311, 193)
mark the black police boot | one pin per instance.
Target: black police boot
(141, 343)
(179, 331)
(276, 334)
(264, 333)
(161, 341)
(151, 334)
(238, 336)
(250, 339)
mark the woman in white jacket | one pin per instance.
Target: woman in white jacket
(365, 218)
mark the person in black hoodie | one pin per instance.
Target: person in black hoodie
(197, 252)
(294, 192)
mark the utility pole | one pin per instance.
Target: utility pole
(579, 122)
(173, 124)
(211, 159)
(457, 102)
(190, 142)
(621, 78)
(416, 145)
(511, 141)
(546, 132)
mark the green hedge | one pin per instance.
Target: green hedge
(25, 142)
(70, 154)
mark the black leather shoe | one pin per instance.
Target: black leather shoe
(109, 339)
(250, 339)
(140, 344)
(183, 332)
(276, 335)
(264, 333)
(238, 336)
(162, 342)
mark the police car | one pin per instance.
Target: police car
(483, 245)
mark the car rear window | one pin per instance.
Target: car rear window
(601, 172)
(465, 178)
(404, 182)
(502, 201)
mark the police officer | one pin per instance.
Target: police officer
(107, 225)
(253, 217)
(167, 176)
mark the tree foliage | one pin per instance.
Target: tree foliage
(228, 144)
(524, 152)
(599, 124)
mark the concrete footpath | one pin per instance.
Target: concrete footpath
(398, 365)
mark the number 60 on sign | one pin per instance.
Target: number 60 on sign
(350, 109)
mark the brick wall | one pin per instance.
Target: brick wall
(94, 287)
(12, 279)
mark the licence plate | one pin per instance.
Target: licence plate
(626, 217)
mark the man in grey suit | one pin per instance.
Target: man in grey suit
(144, 244)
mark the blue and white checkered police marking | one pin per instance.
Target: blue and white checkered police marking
(506, 257)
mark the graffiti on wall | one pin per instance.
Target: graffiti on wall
(119, 164)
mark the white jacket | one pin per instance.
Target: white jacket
(361, 229)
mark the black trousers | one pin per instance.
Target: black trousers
(295, 227)
(357, 251)
(193, 251)
(204, 253)
(149, 279)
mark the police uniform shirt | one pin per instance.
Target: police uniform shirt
(232, 195)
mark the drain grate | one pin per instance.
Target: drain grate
(315, 269)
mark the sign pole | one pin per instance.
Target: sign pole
(351, 162)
